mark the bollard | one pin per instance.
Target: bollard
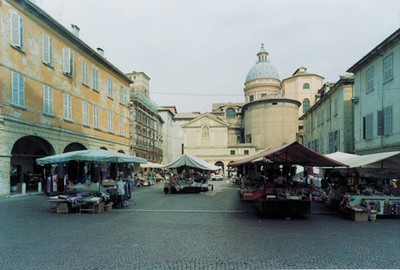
(23, 190)
(39, 188)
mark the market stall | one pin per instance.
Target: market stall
(91, 180)
(190, 175)
(368, 186)
(149, 174)
(267, 178)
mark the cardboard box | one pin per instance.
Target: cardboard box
(62, 208)
(359, 215)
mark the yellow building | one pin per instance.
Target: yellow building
(57, 93)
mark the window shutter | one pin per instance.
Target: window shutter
(66, 60)
(21, 88)
(387, 121)
(15, 30)
(15, 88)
(45, 44)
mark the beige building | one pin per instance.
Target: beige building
(268, 118)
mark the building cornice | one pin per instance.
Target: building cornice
(386, 44)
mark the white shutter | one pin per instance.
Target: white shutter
(21, 88)
(15, 30)
(66, 60)
(15, 83)
(46, 49)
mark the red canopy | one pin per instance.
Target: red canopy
(292, 153)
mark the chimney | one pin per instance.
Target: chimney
(75, 30)
(100, 51)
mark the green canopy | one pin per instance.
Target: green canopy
(96, 155)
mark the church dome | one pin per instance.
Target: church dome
(262, 69)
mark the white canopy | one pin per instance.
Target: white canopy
(96, 155)
(382, 160)
(192, 161)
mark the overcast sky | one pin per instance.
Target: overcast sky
(199, 52)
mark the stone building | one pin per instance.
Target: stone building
(268, 118)
(57, 93)
(146, 128)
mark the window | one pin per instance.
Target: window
(230, 113)
(85, 113)
(205, 132)
(306, 105)
(18, 89)
(388, 68)
(248, 138)
(121, 94)
(368, 127)
(85, 73)
(251, 98)
(320, 118)
(95, 79)
(17, 31)
(125, 96)
(121, 126)
(110, 122)
(316, 145)
(334, 141)
(384, 121)
(370, 79)
(47, 49)
(336, 106)
(306, 86)
(67, 107)
(109, 87)
(47, 99)
(68, 61)
(246, 152)
(96, 117)
(233, 152)
(263, 95)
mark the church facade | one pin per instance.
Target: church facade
(268, 118)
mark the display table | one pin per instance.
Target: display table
(59, 206)
(92, 206)
(384, 205)
(287, 207)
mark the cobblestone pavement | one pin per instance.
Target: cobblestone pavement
(212, 230)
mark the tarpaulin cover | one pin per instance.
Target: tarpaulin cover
(96, 155)
(292, 153)
(192, 161)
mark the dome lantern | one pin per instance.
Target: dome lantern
(262, 69)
